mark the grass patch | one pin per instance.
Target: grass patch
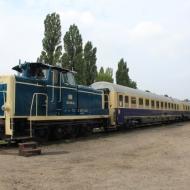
(2, 142)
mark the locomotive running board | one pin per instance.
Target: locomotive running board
(79, 117)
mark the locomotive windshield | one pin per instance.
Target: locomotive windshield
(32, 70)
(37, 72)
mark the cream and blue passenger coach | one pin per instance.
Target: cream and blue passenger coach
(130, 106)
(43, 99)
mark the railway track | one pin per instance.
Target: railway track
(94, 135)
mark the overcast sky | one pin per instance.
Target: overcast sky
(152, 36)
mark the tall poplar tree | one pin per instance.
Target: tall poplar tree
(51, 53)
(105, 76)
(73, 55)
(122, 75)
(90, 63)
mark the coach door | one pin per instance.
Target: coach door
(106, 101)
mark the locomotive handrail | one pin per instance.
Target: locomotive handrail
(46, 102)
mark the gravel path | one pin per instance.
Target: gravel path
(155, 158)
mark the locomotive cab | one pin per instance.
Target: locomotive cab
(46, 73)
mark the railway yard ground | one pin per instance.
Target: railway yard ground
(151, 158)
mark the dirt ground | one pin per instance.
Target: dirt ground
(154, 158)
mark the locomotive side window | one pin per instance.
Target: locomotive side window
(68, 78)
(120, 100)
(126, 101)
(152, 103)
(71, 79)
(55, 77)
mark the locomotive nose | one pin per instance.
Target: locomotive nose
(3, 91)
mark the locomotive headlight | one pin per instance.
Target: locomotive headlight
(5, 107)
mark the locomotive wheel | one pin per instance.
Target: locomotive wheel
(42, 134)
(58, 133)
(72, 131)
(85, 131)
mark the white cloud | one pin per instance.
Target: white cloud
(83, 17)
(146, 30)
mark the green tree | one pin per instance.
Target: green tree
(51, 53)
(122, 75)
(73, 55)
(105, 76)
(90, 63)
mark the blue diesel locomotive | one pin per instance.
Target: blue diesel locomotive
(43, 100)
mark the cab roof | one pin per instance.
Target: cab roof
(19, 68)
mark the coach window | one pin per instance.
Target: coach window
(126, 101)
(152, 104)
(157, 104)
(162, 105)
(133, 102)
(147, 103)
(120, 100)
(166, 105)
(141, 102)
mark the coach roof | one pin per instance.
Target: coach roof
(131, 91)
